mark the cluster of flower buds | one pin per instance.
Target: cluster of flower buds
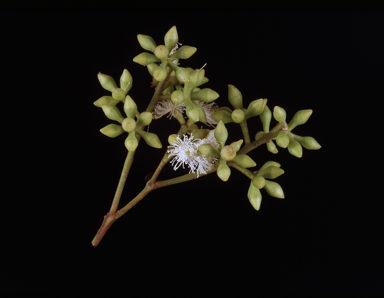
(183, 83)
(128, 124)
(285, 138)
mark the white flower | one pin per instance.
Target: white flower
(209, 108)
(167, 106)
(185, 152)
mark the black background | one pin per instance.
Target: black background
(201, 237)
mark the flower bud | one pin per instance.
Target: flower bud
(159, 73)
(222, 114)
(128, 124)
(221, 133)
(188, 87)
(274, 189)
(255, 108)
(161, 52)
(259, 135)
(112, 130)
(228, 153)
(200, 133)
(265, 118)
(237, 145)
(244, 161)
(192, 110)
(279, 114)
(105, 100)
(112, 113)
(254, 196)
(269, 164)
(126, 81)
(209, 151)
(235, 97)
(282, 139)
(144, 119)
(300, 118)
(201, 80)
(270, 172)
(202, 115)
(145, 59)
(205, 95)
(151, 68)
(258, 182)
(295, 148)
(307, 142)
(223, 171)
(130, 107)
(194, 76)
(238, 116)
(131, 142)
(146, 42)
(177, 97)
(107, 82)
(272, 147)
(184, 52)
(150, 138)
(172, 139)
(118, 94)
(171, 38)
(182, 74)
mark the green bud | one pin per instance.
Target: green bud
(238, 116)
(258, 182)
(307, 142)
(161, 52)
(112, 113)
(272, 147)
(112, 130)
(200, 133)
(222, 114)
(145, 59)
(182, 75)
(144, 119)
(146, 42)
(189, 87)
(171, 38)
(254, 196)
(221, 133)
(209, 151)
(131, 142)
(118, 94)
(205, 95)
(202, 115)
(294, 147)
(279, 114)
(259, 135)
(244, 161)
(184, 52)
(191, 110)
(255, 108)
(265, 118)
(130, 107)
(105, 100)
(274, 189)
(193, 76)
(107, 82)
(177, 97)
(150, 138)
(172, 139)
(151, 68)
(300, 118)
(202, 80)
(237, 145)
(159, 73)
(269, 164)
(235, 97)
(270, 172)
(282, 139)
(223, 171)
(128, 124)
(228, 153)
(126, 81)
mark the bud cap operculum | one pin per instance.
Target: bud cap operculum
(107, 82)
(130, 107)
(126, 81)
(254, 196)
(146, 42)
(274, 189)
(112, 130)
(235, 97)
(300, 118)
(223, 171)
(150, 138)
(112, 113)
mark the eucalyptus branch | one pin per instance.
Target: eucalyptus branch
(246, 172)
